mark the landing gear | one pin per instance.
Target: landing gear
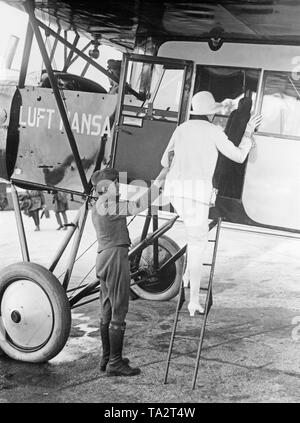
(35, 316)
(150, 284)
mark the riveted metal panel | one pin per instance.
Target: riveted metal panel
(44, 154)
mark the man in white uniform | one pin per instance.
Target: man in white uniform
(190, 159)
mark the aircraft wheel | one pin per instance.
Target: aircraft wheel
(35, 316)
(166, 284)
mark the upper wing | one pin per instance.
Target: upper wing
(121, 23)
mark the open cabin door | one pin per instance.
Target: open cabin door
(146, 120)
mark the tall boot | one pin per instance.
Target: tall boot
(105, 345)
(116, 365)
(104, 333)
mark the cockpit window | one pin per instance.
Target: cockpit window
(159, 89)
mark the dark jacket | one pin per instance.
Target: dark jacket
(60, 202)
(32, 200)
(228, 176)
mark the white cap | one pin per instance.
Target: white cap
(203, 103)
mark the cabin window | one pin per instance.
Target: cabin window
(281, 105)
(229, 86)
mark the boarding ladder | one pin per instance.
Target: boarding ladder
(207, 307)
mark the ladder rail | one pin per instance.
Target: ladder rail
(208, 304)
(173, 333)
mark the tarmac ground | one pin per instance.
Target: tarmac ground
(251, 346)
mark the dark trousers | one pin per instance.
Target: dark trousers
(35, 216)
(58, 218)
(113, 271)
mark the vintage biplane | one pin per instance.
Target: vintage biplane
(55, 134)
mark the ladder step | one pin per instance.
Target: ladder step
(207, 264)
(187, 314)
(191, 338)
(211, 240)
(185, 311)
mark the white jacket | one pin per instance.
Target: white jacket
(196, 144)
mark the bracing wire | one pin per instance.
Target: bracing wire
(79, 257)
(88, 248)
(81, 282)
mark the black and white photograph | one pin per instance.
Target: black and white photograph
(149, 204)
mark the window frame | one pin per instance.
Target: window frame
(256, 105)
(267, 72)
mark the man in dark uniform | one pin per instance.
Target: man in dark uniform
(60, 206)
(114, 67)
(112, 264)
(31, 203)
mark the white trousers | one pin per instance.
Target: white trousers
(195, 218)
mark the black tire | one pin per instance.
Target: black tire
(35, 313)
(168, 283)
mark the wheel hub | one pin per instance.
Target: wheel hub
(15, 316)
(155, 280)
(27, 314)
